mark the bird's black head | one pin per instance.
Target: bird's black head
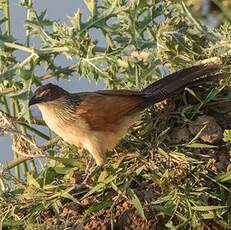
(47, 93)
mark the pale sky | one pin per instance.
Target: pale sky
(62, 10)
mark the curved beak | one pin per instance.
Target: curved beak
(33, 101)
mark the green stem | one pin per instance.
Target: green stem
(37, 132)
(19, 47)
(6, 12)
(24, 131)
(5, 107)
(17, 169)
(196, 23)
(15, 163)
(28, 16)
(25, 168)
(36, 52)
(11, 164)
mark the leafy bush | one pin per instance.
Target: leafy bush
(171, 185)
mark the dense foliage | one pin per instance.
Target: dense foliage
(173, 185)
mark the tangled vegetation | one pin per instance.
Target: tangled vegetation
(171, 171)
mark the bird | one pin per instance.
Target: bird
(98, 120)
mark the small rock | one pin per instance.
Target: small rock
(179, 135)
(212, 133)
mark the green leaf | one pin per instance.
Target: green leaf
(213, 93)
(91, 5)
(65, 161)
(56, 209)
(103, 175)
(69, 197)
(32, 181)
(136, 202)
(76, 20)
(208, 215)
(227, 135)
(167, 209)
(199, 145)
(170, 225)
(225, 177)
(98, 206)
(99, 186)
(25, 74)
(193, 94)
(62, 170)
(140, 169)
(208, 208)
(164, 199)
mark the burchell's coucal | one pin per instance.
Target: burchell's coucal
(97, 120)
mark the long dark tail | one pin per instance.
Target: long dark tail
(175, 83)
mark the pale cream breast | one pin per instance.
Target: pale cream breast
(72, 131)
(76, 131)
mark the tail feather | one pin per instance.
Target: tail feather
(175, 83)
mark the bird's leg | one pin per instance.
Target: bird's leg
(90, 171)
(88, 166)
(98, 155)
(90, 174)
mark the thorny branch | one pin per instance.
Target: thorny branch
(23, 144)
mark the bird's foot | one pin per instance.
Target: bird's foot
(88, 166)
(90, 174)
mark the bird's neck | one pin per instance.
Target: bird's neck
(59, 109)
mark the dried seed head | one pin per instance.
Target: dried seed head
(25, 146)
(140, 55)
(5, 125)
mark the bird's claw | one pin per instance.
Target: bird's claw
(90, 174)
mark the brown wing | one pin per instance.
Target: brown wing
(101, 110)
(121, 92)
